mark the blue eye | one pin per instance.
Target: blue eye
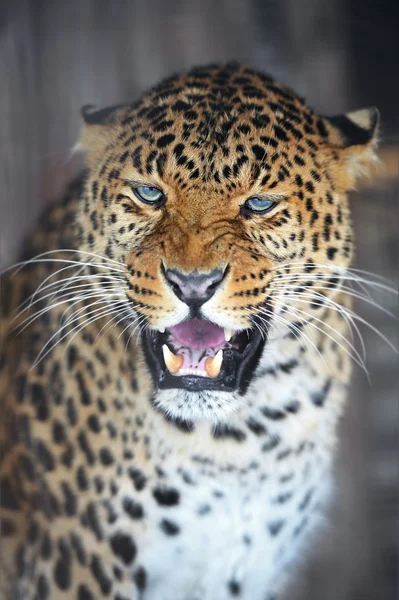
(259, 205)
(149, 195)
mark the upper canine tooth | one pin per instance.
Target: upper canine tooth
(228, 334)
(172, 362)
(213, 365)
(161, 329)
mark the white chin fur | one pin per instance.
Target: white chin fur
(205, 405)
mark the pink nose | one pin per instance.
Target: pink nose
(194, 288)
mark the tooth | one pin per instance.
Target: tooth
(172, 361)
(228, 334)
(213, 365)
(161, 329)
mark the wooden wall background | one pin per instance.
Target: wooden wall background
(341, 54)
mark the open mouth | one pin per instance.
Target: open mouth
(199, 355)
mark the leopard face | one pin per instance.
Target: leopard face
(223, 195)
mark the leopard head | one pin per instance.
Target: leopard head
(218, 191)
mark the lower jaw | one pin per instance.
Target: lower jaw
(235, 374)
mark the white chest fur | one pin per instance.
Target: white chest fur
(237, 511)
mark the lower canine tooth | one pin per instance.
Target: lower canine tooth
(213, 365)
(172, 362)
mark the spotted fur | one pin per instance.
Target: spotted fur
(111, 488)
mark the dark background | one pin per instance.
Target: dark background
(341, 54)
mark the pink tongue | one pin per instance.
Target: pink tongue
(198, 335)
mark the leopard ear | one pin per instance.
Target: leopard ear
(358, 128)
(92, 116)
(98, 125)
(355, 136)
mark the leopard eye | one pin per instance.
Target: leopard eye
(259, 205)
(149, 195)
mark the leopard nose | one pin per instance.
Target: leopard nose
(194, 288)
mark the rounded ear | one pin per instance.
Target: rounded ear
(98, 125)
(355, 136)
(92, 116)
(357, 128)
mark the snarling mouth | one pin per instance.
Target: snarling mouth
(199, 355)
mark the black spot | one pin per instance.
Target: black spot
(256, 427)
(181, 424)
(8, 498)
(298, 530)
(99, 484)
(20, 387)
(124, 547)
(138, 478)
(81, 478)
(40, 401)
(204, 509)
(244, 129)
(306, 500)
(71, 412)
(280, 133)
(58, 432)
(259, 152)
(331, 252)
(289, 366)
(140, 578)
(114, 174)
(271, 443)
(77, 545)
(222, 431)
(299, 160)
(85, 447)
(93, 522)
(33, 532)
(93, 423)
(97, 568)
(169, 527)
(44, 455)
(165, 140)
(67, 457)
(106, 457)
(226, 171)
(166, 496)
(46, 546)
(292, 407)
(84, 593)
(284, 454)
(318, 398)
(133, 509)
(70, 499)
(43, 588)
(309, 186)
(7, 527)
(234, 588)
(180, 106)
(275, 527)
(84, 392)
(260, 121)
(62, 569)
(272, 413)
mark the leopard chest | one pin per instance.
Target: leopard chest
(213, 531)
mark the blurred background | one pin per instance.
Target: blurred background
(341, 55)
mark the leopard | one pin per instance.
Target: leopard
(175, 354)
